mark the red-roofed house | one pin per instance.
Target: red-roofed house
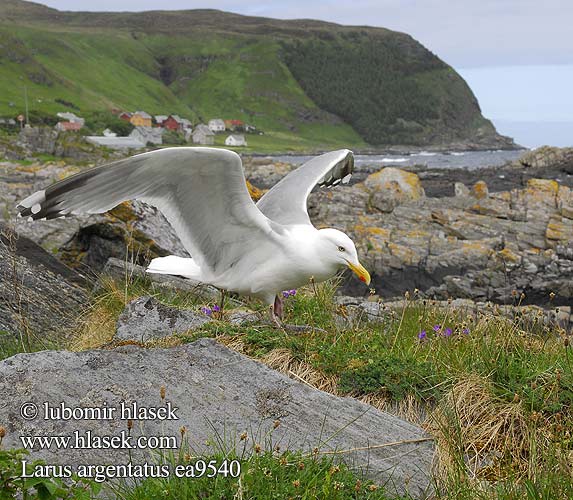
(173, 122)
(234, 124)
(68, 126)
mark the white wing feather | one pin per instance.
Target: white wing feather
(285, 202)
(201, 192)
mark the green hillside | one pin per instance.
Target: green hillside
(306, 84)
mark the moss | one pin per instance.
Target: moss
(508, 255)
(480, 190)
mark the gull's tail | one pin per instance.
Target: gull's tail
(179, 266)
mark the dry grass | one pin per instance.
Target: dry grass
(471, 423)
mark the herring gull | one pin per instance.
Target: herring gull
(257, 250)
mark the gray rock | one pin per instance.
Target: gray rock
(357, 310)
(243, 317)
(145, 319)
(460, 189)
(132, 230)
(38, 139)
(40, 298)
(546, 156)
(217, 393)
(391, 187)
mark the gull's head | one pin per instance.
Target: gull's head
(340, 249)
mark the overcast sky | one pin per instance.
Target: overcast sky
(517, 55)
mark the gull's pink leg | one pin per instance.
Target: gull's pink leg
(276, 311)
(278, 307)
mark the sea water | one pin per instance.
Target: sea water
(429, 159)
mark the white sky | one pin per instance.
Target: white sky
(517, 55)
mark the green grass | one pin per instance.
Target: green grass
(496, 393)
(263, 475)
(243, 79)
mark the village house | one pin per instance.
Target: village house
(203, 135)
(70, 117)
(68, 126)
(216, 125)
(173, 122)
(147, 135)
(159, 119)
(141, 119)
(235, 140)
(186, 124)
(126, 116)
(234, 124)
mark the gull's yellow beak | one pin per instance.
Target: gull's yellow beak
(363, 274)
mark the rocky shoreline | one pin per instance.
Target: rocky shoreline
(481, 235)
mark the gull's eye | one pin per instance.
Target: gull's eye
(341, 249)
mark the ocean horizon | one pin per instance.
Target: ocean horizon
(533, 134)
(531, 103)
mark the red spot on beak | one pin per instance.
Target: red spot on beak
(363, 279)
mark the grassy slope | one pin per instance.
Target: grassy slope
(93, 71)
(102, 70)
(203, 64)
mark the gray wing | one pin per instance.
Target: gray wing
(201, 191)
(285, 203)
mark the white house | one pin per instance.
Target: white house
(186, 124)
(159, 119)
(235, 140)
(216, 125)
(203, 135)
(71, 117)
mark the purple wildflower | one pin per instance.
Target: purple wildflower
(292, 292)
(216, 308)
(437, 328)
(447, 332)
(206, 310)
(466, 331)
(286, 294)
(422, 335)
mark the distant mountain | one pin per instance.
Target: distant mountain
(304, 82)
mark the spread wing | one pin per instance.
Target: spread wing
(201, 191)
(285, 203)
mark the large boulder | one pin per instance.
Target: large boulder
(547, 156)
(391, 187)
(133, 231)
(214, 392)
(40, 298)
(38, 139)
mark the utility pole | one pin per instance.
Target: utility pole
(26, 103)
